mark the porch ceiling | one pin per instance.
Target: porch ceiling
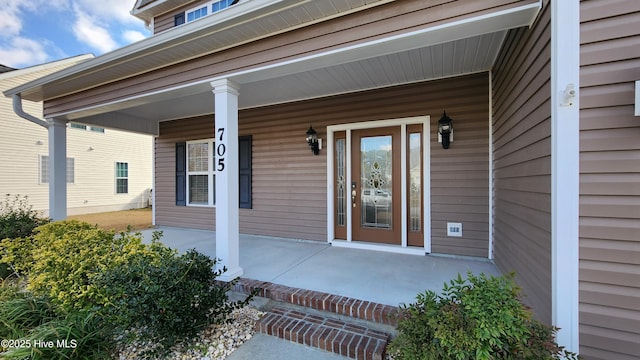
(453, 49)
(453, 58)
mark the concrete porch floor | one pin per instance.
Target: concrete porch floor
(381, 277)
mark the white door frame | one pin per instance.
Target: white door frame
(402, 122)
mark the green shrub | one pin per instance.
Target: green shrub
(17, 223)
(477, 318)
(166, 299)
(62, 258)
(17, 254)
(18, 218)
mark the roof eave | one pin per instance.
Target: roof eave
(33, 89)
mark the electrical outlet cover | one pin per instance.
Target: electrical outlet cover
(454, 229)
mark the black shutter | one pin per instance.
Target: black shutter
(245, 171)
(181, 174)
(178, 19)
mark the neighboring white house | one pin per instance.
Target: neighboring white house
(107, 169)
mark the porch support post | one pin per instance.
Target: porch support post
(227, 178)
(57, 169)
(565, 171)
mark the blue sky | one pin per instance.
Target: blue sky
(33, 32)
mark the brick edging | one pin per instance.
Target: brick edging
(337, 304)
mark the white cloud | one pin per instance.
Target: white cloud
(112, 10)
(132, 36)
(98, 24)
(97, 21)
(90, 32)
(23, 52)
(10, 23)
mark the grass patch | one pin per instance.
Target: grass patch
(137, 219)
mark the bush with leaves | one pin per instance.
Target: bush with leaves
(62, 258)
(166, 299)
(18, 218)
(476, 318)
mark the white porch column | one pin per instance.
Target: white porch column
(227, 178)
(565, 171)
(57, 169)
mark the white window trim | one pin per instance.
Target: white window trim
(211, 179)
(116, 177)
(209, 6)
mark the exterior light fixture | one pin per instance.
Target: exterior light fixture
(445, 130)
(312, 141)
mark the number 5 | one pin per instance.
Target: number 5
(221, 164)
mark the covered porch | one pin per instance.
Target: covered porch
(214, 81)
(380, 277)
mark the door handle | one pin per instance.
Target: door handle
(353, 194)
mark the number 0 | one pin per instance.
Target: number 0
(221, 149)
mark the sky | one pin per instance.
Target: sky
(34, 32)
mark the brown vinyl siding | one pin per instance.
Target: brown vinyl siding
(522, 161)
(289, 183)
(609, 181)
(375, 23)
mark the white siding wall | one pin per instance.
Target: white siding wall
(22, 143)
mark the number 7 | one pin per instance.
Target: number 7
(221, 131)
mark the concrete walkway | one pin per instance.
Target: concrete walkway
(380, 277)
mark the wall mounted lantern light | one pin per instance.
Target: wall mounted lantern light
(313, 141)
(445, 130)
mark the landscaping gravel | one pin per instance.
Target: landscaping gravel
(213, 343)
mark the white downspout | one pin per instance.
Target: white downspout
(17, 108)
(57, 159)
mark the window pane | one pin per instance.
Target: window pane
(44, 170)
(415, 188)
(122, 186)
(70, 170)
(199, 189)
(341, 189)
(97, 129)
(78, 126)
(197, 154)
(376, 167)
(122, 170)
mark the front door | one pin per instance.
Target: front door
(376, 184)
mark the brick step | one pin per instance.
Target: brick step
(336, 304)
(325, 333)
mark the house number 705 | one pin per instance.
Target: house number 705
(221, 149)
